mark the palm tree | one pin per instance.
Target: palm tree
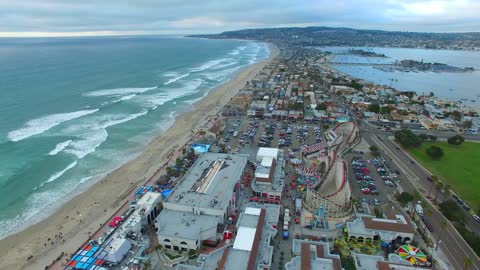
(434, 180)
(467, 263)
(438, 187)
(447, 189)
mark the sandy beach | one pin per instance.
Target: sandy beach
(86, 212)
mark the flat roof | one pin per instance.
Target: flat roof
(267, 161)
(267, 152)
(386, 228)
(261, 251)
(149, 198)
(278, 179)
(244, 239)
(209, 183)
(186, 225)
(252, 211)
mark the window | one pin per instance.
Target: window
(183, 243)
(168, 246)
(167, 240)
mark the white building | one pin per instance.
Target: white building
(117, 249)
(202, 202)
(269, 179)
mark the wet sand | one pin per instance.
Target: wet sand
(86, 212)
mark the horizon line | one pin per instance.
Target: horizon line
(107, 33)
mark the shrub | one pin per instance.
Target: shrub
(452, 211)
(434, 152)
(456, 140)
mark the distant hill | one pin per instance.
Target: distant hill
(330, 36)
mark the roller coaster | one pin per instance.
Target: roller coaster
(333, 192)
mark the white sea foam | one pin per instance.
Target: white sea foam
(234, 52)
(88, 143)
(59, 147)
(118, 91)
(42, 124)
(94, 133)
(127, 97)
(153, 101)
(57, 175)
(227, 64)
(176, 78)
(209, 64)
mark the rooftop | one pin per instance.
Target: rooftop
(252, 248)
(313, 255)
(209, 183)
(278, 178)
(386, 228)
(186, 225)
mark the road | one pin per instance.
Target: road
(452, 243)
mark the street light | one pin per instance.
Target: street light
(438, 243)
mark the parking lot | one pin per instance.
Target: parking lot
(371, 180)
(246, 135)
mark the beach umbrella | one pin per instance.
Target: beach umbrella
(117, 219)
(412, 254)
(112, 224)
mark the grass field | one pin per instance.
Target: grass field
(459, 167)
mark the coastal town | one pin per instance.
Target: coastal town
(298, 171)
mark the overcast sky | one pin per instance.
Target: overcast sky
(104, 17)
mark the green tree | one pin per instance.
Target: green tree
(374, 151)
(407, 139)
(179, 162)
(434, 152)
(457, 116)
(405, 198)
(373, 108)
(385, 110)
(434, 180)
(452, 211)
(321, 106)
(467, 263)
(432, 138)
(456, 140)
(356, 85)
(438, 186)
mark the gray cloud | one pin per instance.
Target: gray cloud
(210, 16)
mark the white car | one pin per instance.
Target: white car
(477, 218)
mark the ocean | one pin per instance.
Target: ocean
(73, 109)
(457, 86)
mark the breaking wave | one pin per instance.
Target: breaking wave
(42, 124)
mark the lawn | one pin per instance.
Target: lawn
(459, 167)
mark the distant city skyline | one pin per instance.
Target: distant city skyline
(123, 17)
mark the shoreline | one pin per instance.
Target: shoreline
(87, 211)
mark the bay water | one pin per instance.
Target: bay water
(456, 86)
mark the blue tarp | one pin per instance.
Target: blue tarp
(200, 148)
(166, 193)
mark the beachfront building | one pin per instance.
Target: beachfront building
(384, 229)
(312, 255)
(202, 203)
(149, 206)
(269, 180)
